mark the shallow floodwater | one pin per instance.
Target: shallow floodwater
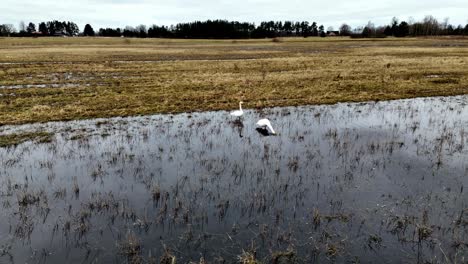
(371, 182)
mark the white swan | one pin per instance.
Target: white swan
(266, 123)
(239, 112)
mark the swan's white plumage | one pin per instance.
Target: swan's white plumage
(266, 123)
(238, 113)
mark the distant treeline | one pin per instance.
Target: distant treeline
(428, 27)
(223, 29)
(49, 28)
(219, 29)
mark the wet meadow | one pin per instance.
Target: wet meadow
(347, 183)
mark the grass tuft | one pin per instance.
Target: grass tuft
(16, 139)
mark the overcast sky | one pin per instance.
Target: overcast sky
(119, 13)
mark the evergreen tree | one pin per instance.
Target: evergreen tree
(388, 31)
(43, 28)
(88, 30)
(31, 28)
(71, 28)
(315, 31)
(402, 30)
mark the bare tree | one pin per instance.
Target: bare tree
(345, 30)
(7, 29)
(445, 25)
(369, 30)
(22, 26)
(430, 26)
(141, 31)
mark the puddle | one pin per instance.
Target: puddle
(433, 76)
(349, 182)
(138, 61)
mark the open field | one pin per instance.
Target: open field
(50, 79)
(370, 182)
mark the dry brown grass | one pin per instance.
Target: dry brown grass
(16, 139)
(78, 78)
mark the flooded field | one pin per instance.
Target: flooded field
(369, 182)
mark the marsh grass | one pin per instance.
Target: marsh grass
(342, 183)
(248, 258)
(131, 248)
(16, 139)
(81, 78)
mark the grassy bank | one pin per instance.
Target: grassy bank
(16, 139)
(49, 79)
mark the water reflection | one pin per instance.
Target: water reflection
(348, 182)
(263, 131)
(239, 126)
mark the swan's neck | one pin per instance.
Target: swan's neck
(240, 106)
(272, 130)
